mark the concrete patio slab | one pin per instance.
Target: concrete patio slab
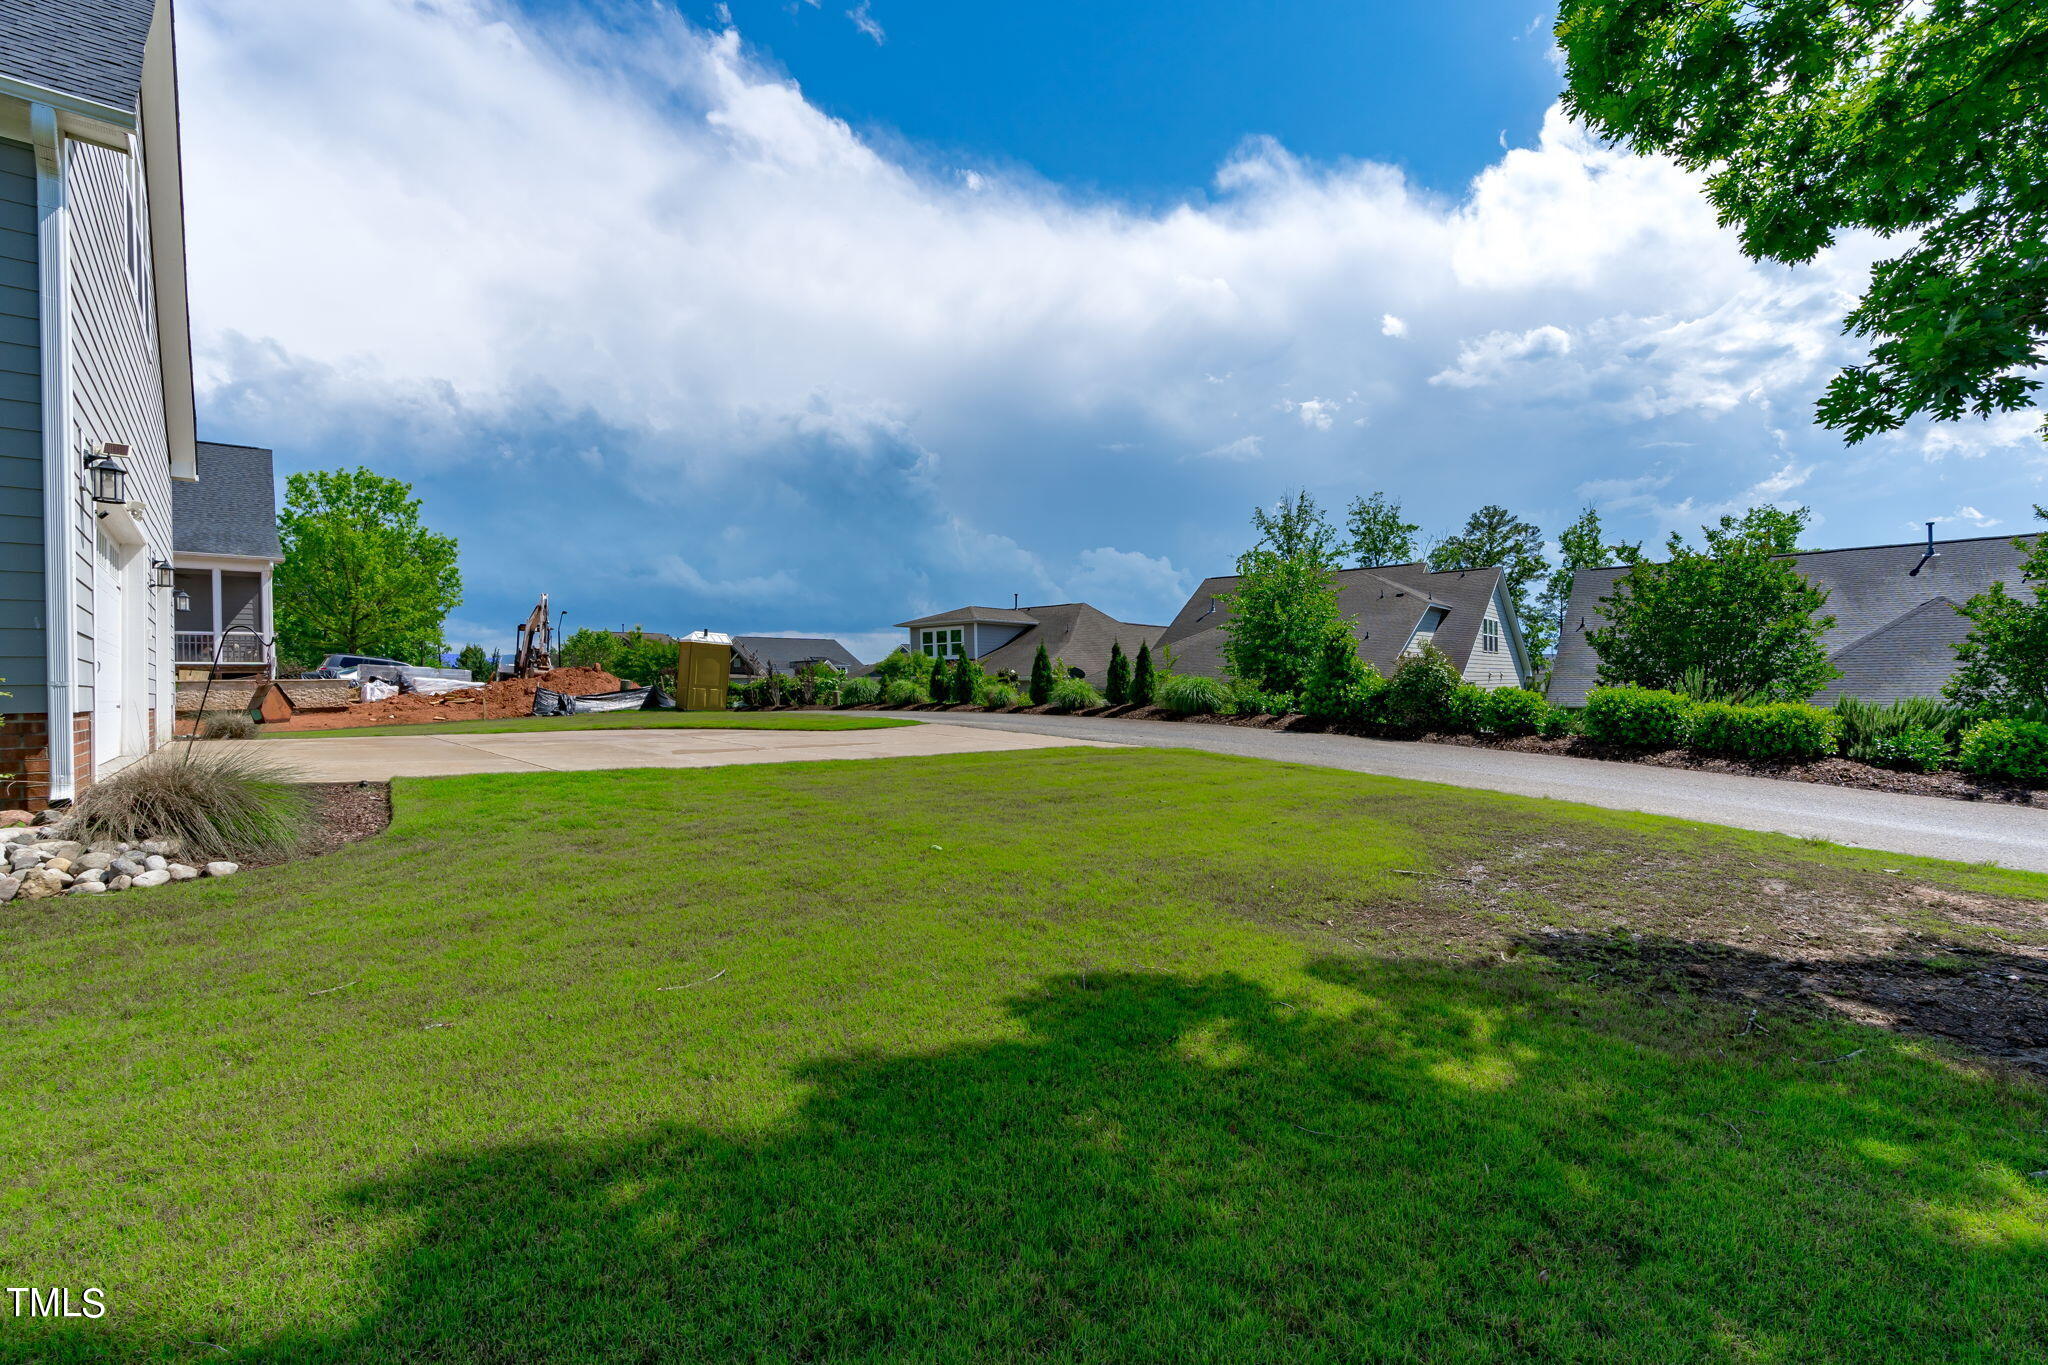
(377, 758)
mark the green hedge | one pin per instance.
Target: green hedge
(1776, 732)
(1514, 711)
(1640, 716)
(2016, 750)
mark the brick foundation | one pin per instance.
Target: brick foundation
(25, 758)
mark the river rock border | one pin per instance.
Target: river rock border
(41, 863)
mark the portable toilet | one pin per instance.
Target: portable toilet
(703, 669)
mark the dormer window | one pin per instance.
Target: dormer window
(942, 642)
(1425, 633)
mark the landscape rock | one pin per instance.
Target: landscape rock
(91, 874)
(19, 836)
(56, 862)
(87, 888)
(93, 860)
(37, 885)
(151, 878)
(156, 862)
(181, 873)
(16, 817)
(22, 857)
(61, 848)
(222, 869)
(126, 867)
(120, 883)
(48, 815)
(8, 886)
(163, 848)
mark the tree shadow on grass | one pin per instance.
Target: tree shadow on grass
(1417, 1162)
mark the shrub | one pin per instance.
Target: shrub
(1073, 694)
(1253, 701)
(1422, 693)
(2016, 750)
(1514, 711)
(227, 725)
(903, 662)
(941, 685)
(1558, 723)
(860, 691)
(1919, 751)
(1143, 679)
(1777, 732)
(1336, 684)
(1001, 695)
(904, 692)
(1116, 683)
(970, 681)
(1467, 709)
(233, 803)
(1640, 716)
(1866, 727)
(1041, 677)
(1192, 695)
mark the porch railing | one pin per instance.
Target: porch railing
(240, 649)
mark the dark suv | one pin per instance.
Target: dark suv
(334, 665)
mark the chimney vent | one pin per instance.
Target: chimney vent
(1927, 555)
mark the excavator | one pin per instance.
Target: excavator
(534, 643)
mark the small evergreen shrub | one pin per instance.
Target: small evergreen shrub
(1144, 679)
(904, 692)
(1339, 685)
(970, 683)
(2016, 750)
(1916, 751)
(1074, 694)
(1116, 684)
(1422, 694)
(860, 692)
(1641, 716)
(228, 725)
(941, 685)
(1514, 711)
(1041, 677)
(1776, 732)
(1192, 695)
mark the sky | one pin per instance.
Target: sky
(802, 317)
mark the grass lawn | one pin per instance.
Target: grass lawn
(614, 720)
(1103, 1055)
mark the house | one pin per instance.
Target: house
(1006, 639)
(755, 656)
(96, 417)
(223, 547)
(1896, 624)
(1395, 609)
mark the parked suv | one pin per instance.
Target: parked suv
(335, 665)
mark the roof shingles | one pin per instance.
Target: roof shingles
(91, 49)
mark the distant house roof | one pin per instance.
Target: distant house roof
(231, 509)
(657, 636)
(960, 616)
(1893, 628)
(1073, 632)
(784, 653)
(91, 49)
(1386, 602)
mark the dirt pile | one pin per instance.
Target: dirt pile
(495, 701)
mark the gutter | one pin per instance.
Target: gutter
(52, 222)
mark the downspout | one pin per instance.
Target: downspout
(52, 255)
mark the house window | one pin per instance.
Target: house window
(1489, 636)
(943, 643)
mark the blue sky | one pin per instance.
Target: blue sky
(782, 316)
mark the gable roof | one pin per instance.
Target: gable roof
(1386, 603)
(783, 652)
(1891, 625)
(91, 49)
(232, 507)
(1071, 631)
(960, 616)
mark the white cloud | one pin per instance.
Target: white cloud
(1391, 326)
(865, 22)
(1315, 413)
(1128, 585)
(1498, 357)
(1244, 448)
(1971, 516)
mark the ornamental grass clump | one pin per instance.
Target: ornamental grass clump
(228, 725)
(904, 692)
(860, 692)
(1192, 695)
(1074, 694)
(219, 804)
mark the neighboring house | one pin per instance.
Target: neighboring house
(96, 416)
(224, 546)
(1896, 624)
(1006, 639)
(1395, 610)
(755, 656)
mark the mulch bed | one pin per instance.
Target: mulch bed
(1830, 772)
(343, 812)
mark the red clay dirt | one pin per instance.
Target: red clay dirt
(498, 700)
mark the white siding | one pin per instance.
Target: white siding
(1496, 667)
(117, 395)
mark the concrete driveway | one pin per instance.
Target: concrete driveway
(1965, 831)
(376, 758)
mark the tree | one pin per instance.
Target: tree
(644, 660)
(1041, 677)
(1922, 122)
(1116, 683)
(476, 661)
(1378, 533)
(1296, 527)
(1142, 680)
(1340, 684)
(1495, 537)
(1737, 612)
(1580, 545)
(942, 682)
(2003, 662)
(590, 649)
(361, 575)
(1285, 599)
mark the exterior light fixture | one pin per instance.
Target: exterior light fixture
(181, 600)
(105, 473)
(162, 568)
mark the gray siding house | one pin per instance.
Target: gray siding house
(96, 416)
(1006, 639)
(224, 547)
(1395, 609)
(1896, 624)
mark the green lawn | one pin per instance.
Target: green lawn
(614, 720)
(1104, 1055)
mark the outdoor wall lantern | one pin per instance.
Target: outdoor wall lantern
(181, 600)
(163, 571)
(106, 474)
